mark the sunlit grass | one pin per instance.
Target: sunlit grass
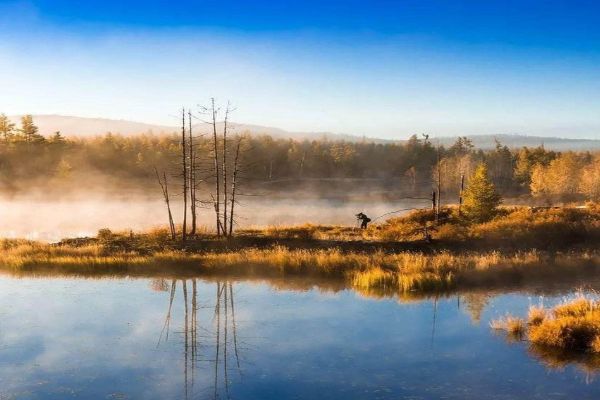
(571, 326)
(515, 327)
(394, 272)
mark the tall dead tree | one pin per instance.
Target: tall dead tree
(192, 175)
(227, 110)
(217, 199)
(236, 167)
(164, 185)
(439, 186)
(184, 173)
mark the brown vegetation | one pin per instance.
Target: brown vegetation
(506, 251)
(571, 326)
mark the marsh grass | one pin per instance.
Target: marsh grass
(335, 252)
(536, 315)
(513, 227)
(515, 327)
(573, 325)
(369, 271)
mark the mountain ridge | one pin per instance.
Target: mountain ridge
(74, 126)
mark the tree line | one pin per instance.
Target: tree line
(28, 159)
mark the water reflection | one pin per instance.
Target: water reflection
(220, 343)
(190, 338)
(588, 364)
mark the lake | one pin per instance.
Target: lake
(195, 339)
(52, 220)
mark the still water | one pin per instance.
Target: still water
(193, 339)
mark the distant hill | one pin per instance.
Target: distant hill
(86, 127)
(552, 143)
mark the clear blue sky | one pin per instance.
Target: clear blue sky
(379, 68)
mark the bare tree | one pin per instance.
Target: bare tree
(184, 175)
(217, 199)
(192, 175)
(227, 110)
(165, 190)
(236, 168)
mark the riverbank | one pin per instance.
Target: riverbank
(520, 246)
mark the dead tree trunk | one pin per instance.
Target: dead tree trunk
(165, 190)
(184, 176)
(233, 183)
(192, 175)
(217, 172)
(302, 164)
(225, 169)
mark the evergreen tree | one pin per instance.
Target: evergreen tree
(57, 138)
(6, 128)
(523, 167)
(480, 198)
(29, 130)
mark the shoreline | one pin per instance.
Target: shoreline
(518, 246)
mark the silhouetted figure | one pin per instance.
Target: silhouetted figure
(364, 220)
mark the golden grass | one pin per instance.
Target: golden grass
(536, 315)
(513, 226)
(571, 326)
(515, 327)
(306, 232)
(398, 273)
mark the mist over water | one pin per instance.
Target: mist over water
(52, 220)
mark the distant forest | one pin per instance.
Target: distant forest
(30, 161)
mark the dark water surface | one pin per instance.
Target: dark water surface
(113, 339)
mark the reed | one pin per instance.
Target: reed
(400, 273)
(571, 326)
(515, 327)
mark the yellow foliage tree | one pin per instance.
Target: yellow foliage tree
(590, 180)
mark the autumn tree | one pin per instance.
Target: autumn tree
(29, 131)
(480, 197)
(526, 160)
(6, 128)
(561, 178)
(590, 180)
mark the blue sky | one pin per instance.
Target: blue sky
(379, 68)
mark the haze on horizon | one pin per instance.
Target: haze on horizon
(381, 69)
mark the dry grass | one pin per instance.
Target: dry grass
(536, 315)
(306, 232)
(518, 226)
(515, 327)
(399, 273)
(571, 326)
(367, 269)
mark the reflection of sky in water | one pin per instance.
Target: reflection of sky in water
(98, 339)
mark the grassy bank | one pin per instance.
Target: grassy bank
(513, 228)
(395, 272)
(505, 252)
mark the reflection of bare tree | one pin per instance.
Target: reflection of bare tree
(224, 331)
(168, 317)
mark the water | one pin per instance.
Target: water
(52, 220)
(112, 339)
